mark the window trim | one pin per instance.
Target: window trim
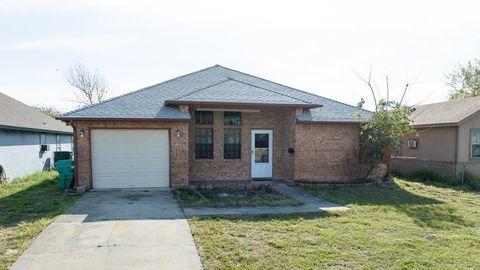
(471, 143)
(240, 143)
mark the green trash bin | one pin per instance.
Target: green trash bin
(65, 171)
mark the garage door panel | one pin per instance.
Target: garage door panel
(125, 158)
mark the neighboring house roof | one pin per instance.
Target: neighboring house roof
(445, 113)
(16, 115)
(215, 84)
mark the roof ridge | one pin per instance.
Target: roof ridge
(449, 101)
(254, 85)
(136, 91)
(200, 89)
(296, 89)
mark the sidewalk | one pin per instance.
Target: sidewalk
(311, 204)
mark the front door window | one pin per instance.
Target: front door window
(261, 148)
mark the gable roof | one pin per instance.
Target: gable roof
(17, 115)
(445, 113)
(214, 84)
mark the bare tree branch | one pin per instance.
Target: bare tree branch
(404, 92)
(369, 84)
(91, 86)
(388, 88)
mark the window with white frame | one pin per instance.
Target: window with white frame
(58, 142)
(475, 143)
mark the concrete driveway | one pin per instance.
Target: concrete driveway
(116, 230)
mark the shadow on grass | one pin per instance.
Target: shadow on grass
(375, 201)
(424, 211)
(270, 217)
(31, 202)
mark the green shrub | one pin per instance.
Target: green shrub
(471, 180)
(468, 179)
(429, 175)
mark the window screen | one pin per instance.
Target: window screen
(203, 117)
(232, 118)
(231, 143)
(204, 143)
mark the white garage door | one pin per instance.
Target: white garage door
(130, 158)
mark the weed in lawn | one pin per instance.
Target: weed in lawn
(28, 205)
(403, 225)
(232, 198)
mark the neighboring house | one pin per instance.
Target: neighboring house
(28, 138)
(214, 124)
(448, 138)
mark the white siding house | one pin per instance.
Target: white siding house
(23, 130)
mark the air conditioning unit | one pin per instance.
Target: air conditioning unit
(44, 147)
(412, 143)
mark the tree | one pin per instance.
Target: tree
(465, 80)
(50, 111)
(91, 86)
(383, 132)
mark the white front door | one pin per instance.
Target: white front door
(262, 153)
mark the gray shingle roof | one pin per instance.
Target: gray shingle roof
(234, 91)
(445, 113)
(217, 84)
(16, 115)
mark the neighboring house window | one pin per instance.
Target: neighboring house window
(43, 138)
(231, 143)
(204, 143)
(232, 118)
(475, 140)
(203, 117)
(58, 142)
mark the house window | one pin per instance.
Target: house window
(58, 143)
(232, 118)
(204, 143)
(475, 140)
(231, 143)
(203, 117)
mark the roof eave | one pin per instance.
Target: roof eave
(85, 118)
(214, 104)
(329, 122)
(453, 124)
(35, 129)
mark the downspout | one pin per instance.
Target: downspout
(75, 164)
(456, 153)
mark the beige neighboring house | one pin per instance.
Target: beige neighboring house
(448, 138)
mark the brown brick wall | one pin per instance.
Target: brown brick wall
(326, 152)
(281, 122)
(323, 152)
(408, 165)
(178, 148)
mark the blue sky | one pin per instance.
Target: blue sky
(311, 45)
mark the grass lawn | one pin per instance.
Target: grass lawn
(402, 225)
(27, 206)
(232, 198)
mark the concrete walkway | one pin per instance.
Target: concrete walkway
(311, 204)
(116, 230)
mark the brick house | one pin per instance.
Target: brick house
(216, 124)
(448, 139)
